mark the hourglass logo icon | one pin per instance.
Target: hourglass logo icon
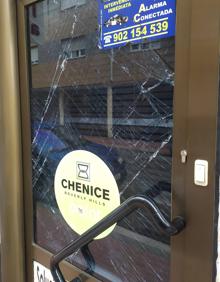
(83, 171)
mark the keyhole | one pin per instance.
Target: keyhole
(183, 154)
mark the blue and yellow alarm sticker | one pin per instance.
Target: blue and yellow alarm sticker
(124, 21)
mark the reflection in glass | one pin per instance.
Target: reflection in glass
(116, 103)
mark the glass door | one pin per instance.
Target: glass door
(115, 101)
(103, 77)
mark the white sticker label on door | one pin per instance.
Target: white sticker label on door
(86, 190)
(41, 273)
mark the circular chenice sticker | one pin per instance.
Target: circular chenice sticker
(85, 190)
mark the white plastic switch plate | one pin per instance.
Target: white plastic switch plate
(201, 173)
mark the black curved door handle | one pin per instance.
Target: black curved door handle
(130, 205)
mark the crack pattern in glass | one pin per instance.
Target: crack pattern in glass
(116, 103)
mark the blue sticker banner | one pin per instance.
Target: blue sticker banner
(124, 21)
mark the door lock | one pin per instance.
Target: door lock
(183, 154)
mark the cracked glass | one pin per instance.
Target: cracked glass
(116, 103)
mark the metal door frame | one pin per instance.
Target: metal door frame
(197, 80)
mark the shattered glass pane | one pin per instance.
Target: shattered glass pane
(116, 103)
